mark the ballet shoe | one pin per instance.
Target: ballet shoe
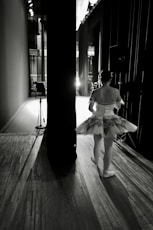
(108, 173)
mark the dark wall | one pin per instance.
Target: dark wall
(14, 73)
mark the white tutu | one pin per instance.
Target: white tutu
(105, 122)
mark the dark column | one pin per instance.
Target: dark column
(61, 73)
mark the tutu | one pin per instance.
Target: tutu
(105, 122)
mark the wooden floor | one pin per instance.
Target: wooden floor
(126, 200)
(34, 197)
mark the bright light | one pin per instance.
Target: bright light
(31, 12)
(77, 83)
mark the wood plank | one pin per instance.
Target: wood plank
(56, 201)
(106, 212)
(14, 190)
(132, 186)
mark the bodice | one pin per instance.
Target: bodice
(105, 109)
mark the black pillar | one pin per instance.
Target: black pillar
(61, 73)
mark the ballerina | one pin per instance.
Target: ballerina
(104, 123)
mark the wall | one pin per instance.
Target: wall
(14, 72)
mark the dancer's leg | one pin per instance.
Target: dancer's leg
(97, 148)
(108, 142)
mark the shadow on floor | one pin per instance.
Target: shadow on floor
(60, 167)
(119, 197)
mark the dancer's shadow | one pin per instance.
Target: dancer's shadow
(119, 196)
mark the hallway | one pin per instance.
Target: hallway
(28, 117)
(33, 196)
